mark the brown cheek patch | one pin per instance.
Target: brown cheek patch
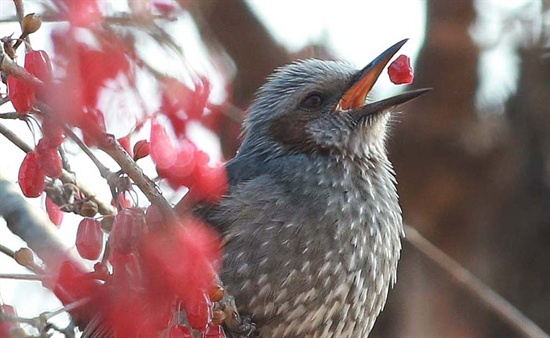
(291, 131)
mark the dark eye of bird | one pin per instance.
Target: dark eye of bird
(312, 101)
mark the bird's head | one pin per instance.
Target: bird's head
(318, 106)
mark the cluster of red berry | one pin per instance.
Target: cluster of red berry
(158, 275)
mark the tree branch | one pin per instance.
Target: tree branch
(33, 226)
(492, 300)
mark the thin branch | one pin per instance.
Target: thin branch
(15, 139)
(145, 184)
(121, 20)
(7, 251)
(103, 170)
(20, 276)
(67, 308)
(492, 300)
(11, 116)
(4, 100)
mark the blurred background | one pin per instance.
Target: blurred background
(472, 157)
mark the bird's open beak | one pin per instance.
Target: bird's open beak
(354, 98)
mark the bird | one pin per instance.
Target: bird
(311, 222)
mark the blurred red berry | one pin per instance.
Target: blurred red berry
(400, 70)
(97, 65)
(6, 326)
(89, 239)
(165, 7)
(127, 230)
(181, 103)
(52, 132)
(49, 160)
(186, 256)
(153, 218)
(92, 124)
(54, 212)
(180, 331)
(124, 200)
(213, 331)
(211, 182)
(163, 150)
(87, 67)
(21, 95)
(125, 143)
(199, 311)
(126, 270)
(37, 62)
(81, 13)
(142, 148)
(180, 173)
(31, 177)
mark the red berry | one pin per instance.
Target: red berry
(7, 326)
(180, 331)
(92, 124)
(180, 172)
(210, 182)
(49, 160)
(400, 70)
(31, 176)
(199, 311)
(163, 150)
(54, 212)
(213, 331)
(125, 143)
(52, 132)
(37, 62)
(21, 95)
(124, 201)
(153, 217)
(127, 229)
(89, 239)
(142, 148)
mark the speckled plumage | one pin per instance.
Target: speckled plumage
(312, 232)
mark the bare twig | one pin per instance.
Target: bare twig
(103, 170)
(19, 11)
(7, 251)
(121, 20)
(20, 276)
(66, 308)
(11, 116)
(4, 100)
(14, 139)
(492, 300)
(145, 184)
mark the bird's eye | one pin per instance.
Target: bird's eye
(312, 101)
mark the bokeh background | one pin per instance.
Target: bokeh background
(472, 157)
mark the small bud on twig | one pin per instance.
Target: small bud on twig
(25, 257)
(31, 23)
